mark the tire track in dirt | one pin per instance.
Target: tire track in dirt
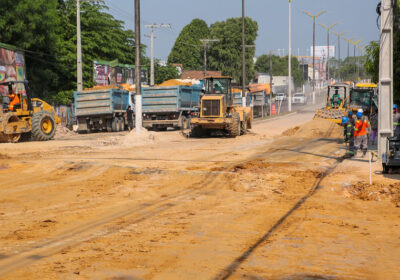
(136, 214)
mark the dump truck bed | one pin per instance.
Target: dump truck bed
(100, 102)
(170, 99)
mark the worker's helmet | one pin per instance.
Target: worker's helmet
(359, 114)
(350, 113)
(345, 120)
(394, 106)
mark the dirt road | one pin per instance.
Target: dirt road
(277, 203)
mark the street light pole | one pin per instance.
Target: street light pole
(339, 35)
(314, 17)
(78, 46)
(138, 72)
(152, 27)
(290, 59)
(243, 60)
(328, 28)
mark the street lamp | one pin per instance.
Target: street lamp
(314, 17)
(290, 59)
(243, 60)
(355, 44)
(328, 28)
(339, 35)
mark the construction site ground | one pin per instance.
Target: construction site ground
(277, 203)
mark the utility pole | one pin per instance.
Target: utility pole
(79, 46)
(290, 59)
(314, 17)
(205, 43)
(138, 71)
(270, 82)
(385, 118)
(243, 60)
(328, 28)
(339, 36)
(152, 27)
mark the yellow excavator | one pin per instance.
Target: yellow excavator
(31, 118)
(217, 110)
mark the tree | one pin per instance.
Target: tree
(280, 67)
(33, 26)
(226, 54)
(372, 60)
(163, 73)
(187, 49)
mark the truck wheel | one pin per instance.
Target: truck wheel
(234, 126)
(188, 123)
(43, 126)
(121, 124)
(115, 125)
(109, 125)
(183, 124)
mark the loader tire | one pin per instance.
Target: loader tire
(234, 127)
(43, 126)
(196, 132)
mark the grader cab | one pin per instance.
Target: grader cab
(217, 111)
(31, 118)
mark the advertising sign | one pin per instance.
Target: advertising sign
(110, 73)
(12, 68)
(322, 51)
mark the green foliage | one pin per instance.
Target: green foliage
(280, 67)
(226, 55)
(33, 25)
(187, 49)
(163, 73)
(62, 97)
(46, 29)
(372, 60)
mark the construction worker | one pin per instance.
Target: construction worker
(348, 128)
(396, 121)
(360, 134)
(129, 117)
(335, 99)
(14, 99)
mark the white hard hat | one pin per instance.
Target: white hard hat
(360, 110)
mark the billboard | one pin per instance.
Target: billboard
(322, 51)
(12, 68)
(111, 73)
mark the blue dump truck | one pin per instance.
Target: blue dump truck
(170, 106)
(101, 110)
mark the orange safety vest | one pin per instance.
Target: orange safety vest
(360, 128)
(14, 99)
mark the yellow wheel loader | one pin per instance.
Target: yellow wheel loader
(31, 118)
(217, 111)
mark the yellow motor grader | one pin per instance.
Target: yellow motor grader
(218, 112)
(31, 118)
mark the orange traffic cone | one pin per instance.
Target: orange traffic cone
(273, 109)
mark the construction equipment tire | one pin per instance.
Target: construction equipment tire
(109, 125)
(197, 131)
(115, 125)
(43, 126)
(243, 127)
(234, 126)
(121, 124)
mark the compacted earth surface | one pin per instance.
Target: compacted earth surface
(277, 203)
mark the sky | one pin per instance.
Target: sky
(357, 17)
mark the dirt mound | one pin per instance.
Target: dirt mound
(290, 131)
(135, 139)
(2, 156)
(62, 132)
(315, 129)
(375, 192)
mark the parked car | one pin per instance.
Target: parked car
(280, 97)
(299, 98)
